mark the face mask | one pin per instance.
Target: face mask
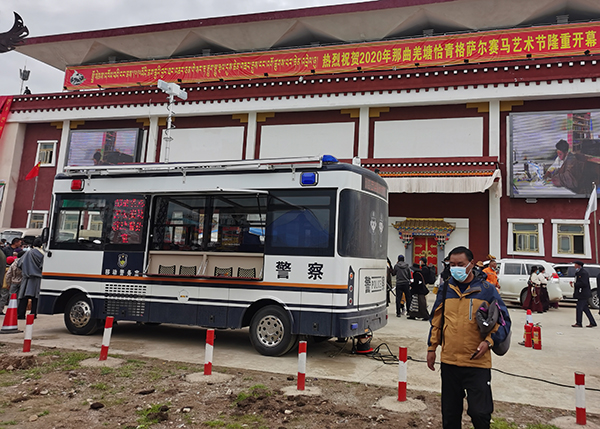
(459, 273)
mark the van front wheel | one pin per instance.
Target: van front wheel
(78, 316)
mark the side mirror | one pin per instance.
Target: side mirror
(45, 235)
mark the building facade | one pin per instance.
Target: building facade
(467, 139)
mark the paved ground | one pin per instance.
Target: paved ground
(565, 350)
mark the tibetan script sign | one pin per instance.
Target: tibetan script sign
(499, 45)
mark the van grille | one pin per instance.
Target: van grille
(125, 300)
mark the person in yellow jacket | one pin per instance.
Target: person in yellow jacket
(466, 359)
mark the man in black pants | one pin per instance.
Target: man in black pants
(582, 293)
(466, 356)
(402, 273)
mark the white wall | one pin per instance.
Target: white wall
(395, 245)
(335, 139)
(429, 138)
(204, 144)
(460, 236)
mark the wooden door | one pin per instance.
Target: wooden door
(425, 246)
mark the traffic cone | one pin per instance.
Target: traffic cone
(10, 325)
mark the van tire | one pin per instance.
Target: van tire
(271, 331)
(594, 300)
(78, 316)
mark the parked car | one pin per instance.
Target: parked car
(566, 275)
(26, 234)
(514, 273)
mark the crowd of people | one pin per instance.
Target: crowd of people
(21, 266)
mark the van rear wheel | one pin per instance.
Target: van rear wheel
(78, 316)
(271, 331)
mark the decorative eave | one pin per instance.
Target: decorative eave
(483, 166)
(413, 227)
(510, 73)
(438, 175)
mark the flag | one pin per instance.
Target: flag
(5, 103)
(34, 172)
(592, 204)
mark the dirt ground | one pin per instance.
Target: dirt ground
(50, 389)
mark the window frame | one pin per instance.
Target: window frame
(541, 245)
(34, 212)
(38, 151)
(276, 204)
(587, 242)
(219, 207)
(107, 215)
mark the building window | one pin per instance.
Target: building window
(37, 218)
(525, 237)
(571, 238)
(46, 153)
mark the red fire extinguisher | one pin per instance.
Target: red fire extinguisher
(528, 334)
(537, 337)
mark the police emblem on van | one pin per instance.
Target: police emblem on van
(122, 260)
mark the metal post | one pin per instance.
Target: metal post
(596, 223)
(33, 200)
(596, 234)
(168, 138)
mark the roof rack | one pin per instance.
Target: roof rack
(188, 167)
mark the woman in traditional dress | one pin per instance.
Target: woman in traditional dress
(544, 297)
(417, 308)
(533, 300)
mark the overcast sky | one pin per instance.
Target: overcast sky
(49, 17)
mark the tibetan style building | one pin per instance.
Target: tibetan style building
(461, 105)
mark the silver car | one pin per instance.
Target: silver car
(566, 275)
(513, 275)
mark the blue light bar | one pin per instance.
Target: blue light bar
(329, 159)
(308, 179)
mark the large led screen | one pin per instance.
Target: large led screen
(103, 147)
(554, 154)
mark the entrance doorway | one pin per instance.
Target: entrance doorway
(425, 246)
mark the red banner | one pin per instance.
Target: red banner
(5, 103)
(499, 45)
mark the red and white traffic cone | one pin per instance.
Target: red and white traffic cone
(28, 333)
(208, 352)
(580, 417)
(106, 337)
(402, 371)
(301, 365)
(11, 323)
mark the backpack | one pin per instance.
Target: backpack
(487, 316)
(428, 275)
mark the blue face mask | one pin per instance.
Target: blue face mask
(459, 273)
